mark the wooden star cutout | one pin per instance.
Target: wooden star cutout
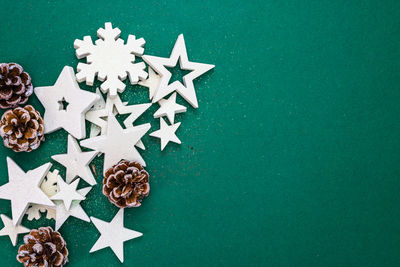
(76, 210)
(23, 189)
(166, 133)
(113, 234)
(99, 104)
(76, 162)
(67, 193)
(11, 230)
(186, 90)
(71, 118)
(115, 106)
(169, 107)
(118, 143)
(152, 82)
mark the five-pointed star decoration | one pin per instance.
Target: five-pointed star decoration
(11, 230)
(113, 234)
(169, 107)
(100, 104)
(76, 162)
(151, 82)
(76, 210)
(67, 192)
(166, 133)
(71, 117)
(23, 189)
(186, 90)
(115, 106)
(118, 143)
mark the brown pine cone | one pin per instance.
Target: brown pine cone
(126, 184)
(43, 247)
(15, 85)
(22, 129)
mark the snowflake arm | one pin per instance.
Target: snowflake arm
(108, 33)
(136, 71)
(83, 47)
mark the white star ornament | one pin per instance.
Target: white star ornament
(11, 230)
(23, 189)
(166, 133)
(67, 192)
(169, 107)
(186, 90)
(65, 104)
(113, 234)
(76, 162)
(118, 143)
(151, 82)
(76, 210)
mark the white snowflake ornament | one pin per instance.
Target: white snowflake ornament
(49, 184)
(110, 59)
(35, 211)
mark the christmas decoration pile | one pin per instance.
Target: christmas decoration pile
(67, 106)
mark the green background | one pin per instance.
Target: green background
(292, 158)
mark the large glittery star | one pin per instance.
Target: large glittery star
(23, 189)
(117, 143)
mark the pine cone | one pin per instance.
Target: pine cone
(126, 184)
(43, 247)
(15, 85)
(22, 129)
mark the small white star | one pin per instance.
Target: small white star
(151, 82)
(118, 143)
(76, 162)
(76, 210)
(23, 189)
(11, 230)
(169, 107)
(67, 192)
(71, 117)
(186, 90)
(166, 133)
(113, 234)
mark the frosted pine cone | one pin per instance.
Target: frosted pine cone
(22, 129)
(15, 85)
(126, 184)
(43, 247)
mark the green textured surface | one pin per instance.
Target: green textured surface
(292, 158)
